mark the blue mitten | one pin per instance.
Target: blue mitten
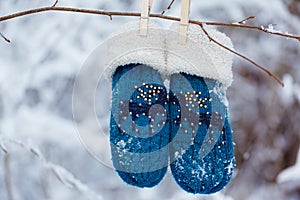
(201, 154)
(139, 123)
(139, 131)
(201, 151)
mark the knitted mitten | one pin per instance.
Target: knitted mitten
(139, 124)
(201, 153)
(201, 149)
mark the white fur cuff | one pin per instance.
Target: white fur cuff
(161, 50)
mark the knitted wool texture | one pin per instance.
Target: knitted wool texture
(192, 129)
(201, 154)
(139, 132)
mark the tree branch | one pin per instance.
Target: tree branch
(244, 57)
(244, 21)
(240, 24)
(260, 28)
(62, 174)
(133, 14)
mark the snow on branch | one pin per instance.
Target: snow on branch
(244, 21)
(62, 174)
(260, 28)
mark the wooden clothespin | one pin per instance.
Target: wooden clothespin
(184, 21)
(146, 7)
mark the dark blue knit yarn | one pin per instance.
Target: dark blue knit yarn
(201, 154)
(139, 125)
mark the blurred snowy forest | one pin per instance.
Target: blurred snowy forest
(42, 156)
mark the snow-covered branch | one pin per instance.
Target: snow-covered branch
(62, 174)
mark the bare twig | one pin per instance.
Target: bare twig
(168, 8)
(55, 3)
(260, 28)
(244, 57)
(5, 38)
(67, 9)
(244, 21)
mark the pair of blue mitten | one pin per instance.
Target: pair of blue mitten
(169, 108)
